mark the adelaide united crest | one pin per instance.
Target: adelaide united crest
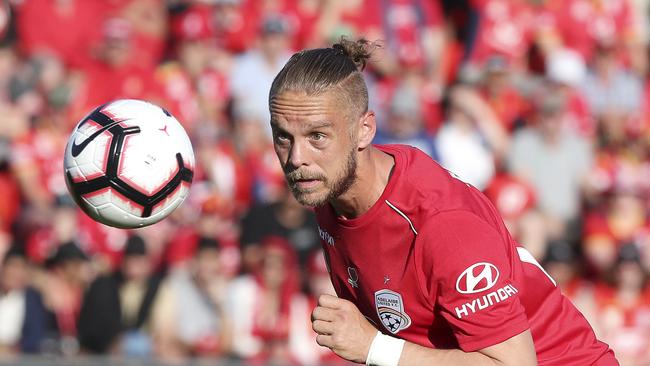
(390, 309)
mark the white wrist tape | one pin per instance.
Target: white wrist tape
(384, 351)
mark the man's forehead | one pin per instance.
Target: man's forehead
(291, 105)
(297, 101)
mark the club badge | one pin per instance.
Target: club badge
(390, 309)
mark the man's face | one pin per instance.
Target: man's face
(316, 145)
(208, 265)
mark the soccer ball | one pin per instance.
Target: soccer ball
(128, 164)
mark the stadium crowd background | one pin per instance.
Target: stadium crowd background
(542, 104)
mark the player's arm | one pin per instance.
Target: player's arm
(518, 350)
(342, 328)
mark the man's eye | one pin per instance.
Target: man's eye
(317, 136)
(281, 138)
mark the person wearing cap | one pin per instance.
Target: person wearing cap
(124, 299)
(62, 285)
(472, 139)
(498, 90)
(253, 72)
(566, 72)
(611, 91)
(194, 86)
(404, 123)
(555, 161)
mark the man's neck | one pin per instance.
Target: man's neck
(373, 173)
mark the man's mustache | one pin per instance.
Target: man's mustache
(297, 175)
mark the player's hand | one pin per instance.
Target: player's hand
(342, 328)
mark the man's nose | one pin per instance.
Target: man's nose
(297, 155)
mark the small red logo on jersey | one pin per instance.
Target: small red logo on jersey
(164, 129)
(478, 277)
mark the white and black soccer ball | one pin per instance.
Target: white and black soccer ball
(129, 164)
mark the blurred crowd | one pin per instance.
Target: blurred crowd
(542, 104)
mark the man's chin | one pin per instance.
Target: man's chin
(310, 199)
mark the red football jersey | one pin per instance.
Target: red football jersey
(432, 262)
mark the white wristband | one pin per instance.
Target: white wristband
(384, 351)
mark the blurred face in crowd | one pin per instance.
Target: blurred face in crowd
(75, 271)
(274, 44)
(612, 124)
(52, 73)
(601, 254)
(460, 118)
(13, 274)
(630, 276)
(626, 215)
(605, 62)
(403, 125)
(65, 224)
(316, 144)
(136, 267)
(8, 63)
(116, 50)
(562, 272)
(550, 124)
(193, 54)
(273, 267)
(496, 82)
(207, 265)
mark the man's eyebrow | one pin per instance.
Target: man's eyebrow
(275, 125)
(306, 125)
(319, 124)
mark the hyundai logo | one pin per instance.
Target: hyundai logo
(478, 277)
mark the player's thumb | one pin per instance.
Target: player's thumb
(329, 301)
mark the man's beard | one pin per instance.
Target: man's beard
(338, 187)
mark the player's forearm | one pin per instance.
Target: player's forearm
(416, 355)
(516, 351)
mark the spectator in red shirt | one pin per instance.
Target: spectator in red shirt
(504, 28)
(64, 28)
(259, 305)
(623, 221)
(624, 314)
(194, 87)
(148, 18)
(584, 24)
(114, 73)
(516, 202)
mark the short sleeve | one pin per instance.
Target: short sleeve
(467, 273)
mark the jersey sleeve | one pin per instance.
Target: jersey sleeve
(466, 273)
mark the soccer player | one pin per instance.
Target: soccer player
(425, 271)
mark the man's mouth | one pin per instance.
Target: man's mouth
(305, 183)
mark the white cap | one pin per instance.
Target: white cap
(565, 66)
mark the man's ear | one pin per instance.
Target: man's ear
(367, 129)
